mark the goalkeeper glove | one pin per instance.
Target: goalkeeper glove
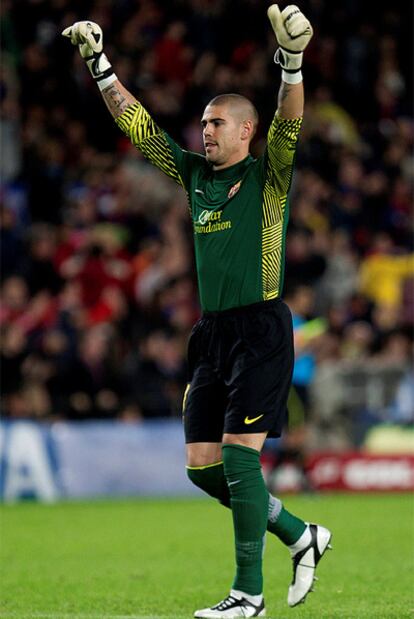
(88, 36)
(293, 33)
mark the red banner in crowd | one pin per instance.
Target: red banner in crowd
(361, 472)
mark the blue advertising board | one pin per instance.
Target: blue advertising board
(92, 459)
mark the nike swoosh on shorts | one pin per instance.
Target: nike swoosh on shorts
(247, 419)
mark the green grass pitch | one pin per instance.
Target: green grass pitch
(164, 558)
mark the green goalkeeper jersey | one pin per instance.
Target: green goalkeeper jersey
(239, 214)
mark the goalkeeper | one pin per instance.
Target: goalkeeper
(240, 353)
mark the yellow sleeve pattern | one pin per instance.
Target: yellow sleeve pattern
(145, 134)
(281, 144)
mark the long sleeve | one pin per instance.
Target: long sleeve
(279, 159)
(282, 139)
(152, 141)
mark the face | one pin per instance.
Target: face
(225, 136)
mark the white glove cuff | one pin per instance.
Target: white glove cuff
(289, 61)
(292, 78)
(101, 70)
(102, 84)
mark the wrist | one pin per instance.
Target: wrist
(292, 78)
(101, 70)
(291, 62)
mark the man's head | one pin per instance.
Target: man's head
(229, 123)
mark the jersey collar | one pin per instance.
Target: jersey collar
(233, 171)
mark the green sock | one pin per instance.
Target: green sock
(249, 500)
(287, 527)
(210, 478)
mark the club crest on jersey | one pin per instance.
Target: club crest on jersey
(234, 190)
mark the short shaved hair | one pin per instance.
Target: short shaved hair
(240, 105)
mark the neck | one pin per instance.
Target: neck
(232, 161)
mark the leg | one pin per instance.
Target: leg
(203, 411)
(205, 467)
(306, 543)
(252, 393)
(201, 455)
(205, 470)
(203, 425)
(249, 500)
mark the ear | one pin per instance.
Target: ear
(247, 129)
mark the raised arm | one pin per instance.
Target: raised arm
(290, 100)
(117, 98)
(129, 114)
(88, 37)
(293, 33)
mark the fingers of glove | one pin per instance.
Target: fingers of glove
(89, 33)
(67, 32)
(289, 11)
(94, 36)
(75, 33)
(273, 13)
(298, 25)
(85, 33)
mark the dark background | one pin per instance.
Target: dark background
(98, 280)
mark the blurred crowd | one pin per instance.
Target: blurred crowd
(98, 288)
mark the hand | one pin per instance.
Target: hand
(292, 29)
(89, 38)
(293, 33)
(87, 35)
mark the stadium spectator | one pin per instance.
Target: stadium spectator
(383, 272)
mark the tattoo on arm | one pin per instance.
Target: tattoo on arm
(284, 91)
(117, 99)
(290, 100)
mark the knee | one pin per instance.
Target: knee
(203, 455)
(211, 480)
(240, 460)
(205, 477)
(195, 475)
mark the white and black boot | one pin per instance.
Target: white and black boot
(237, 604)
(305, 561)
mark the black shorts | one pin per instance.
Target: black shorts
(240, 370)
